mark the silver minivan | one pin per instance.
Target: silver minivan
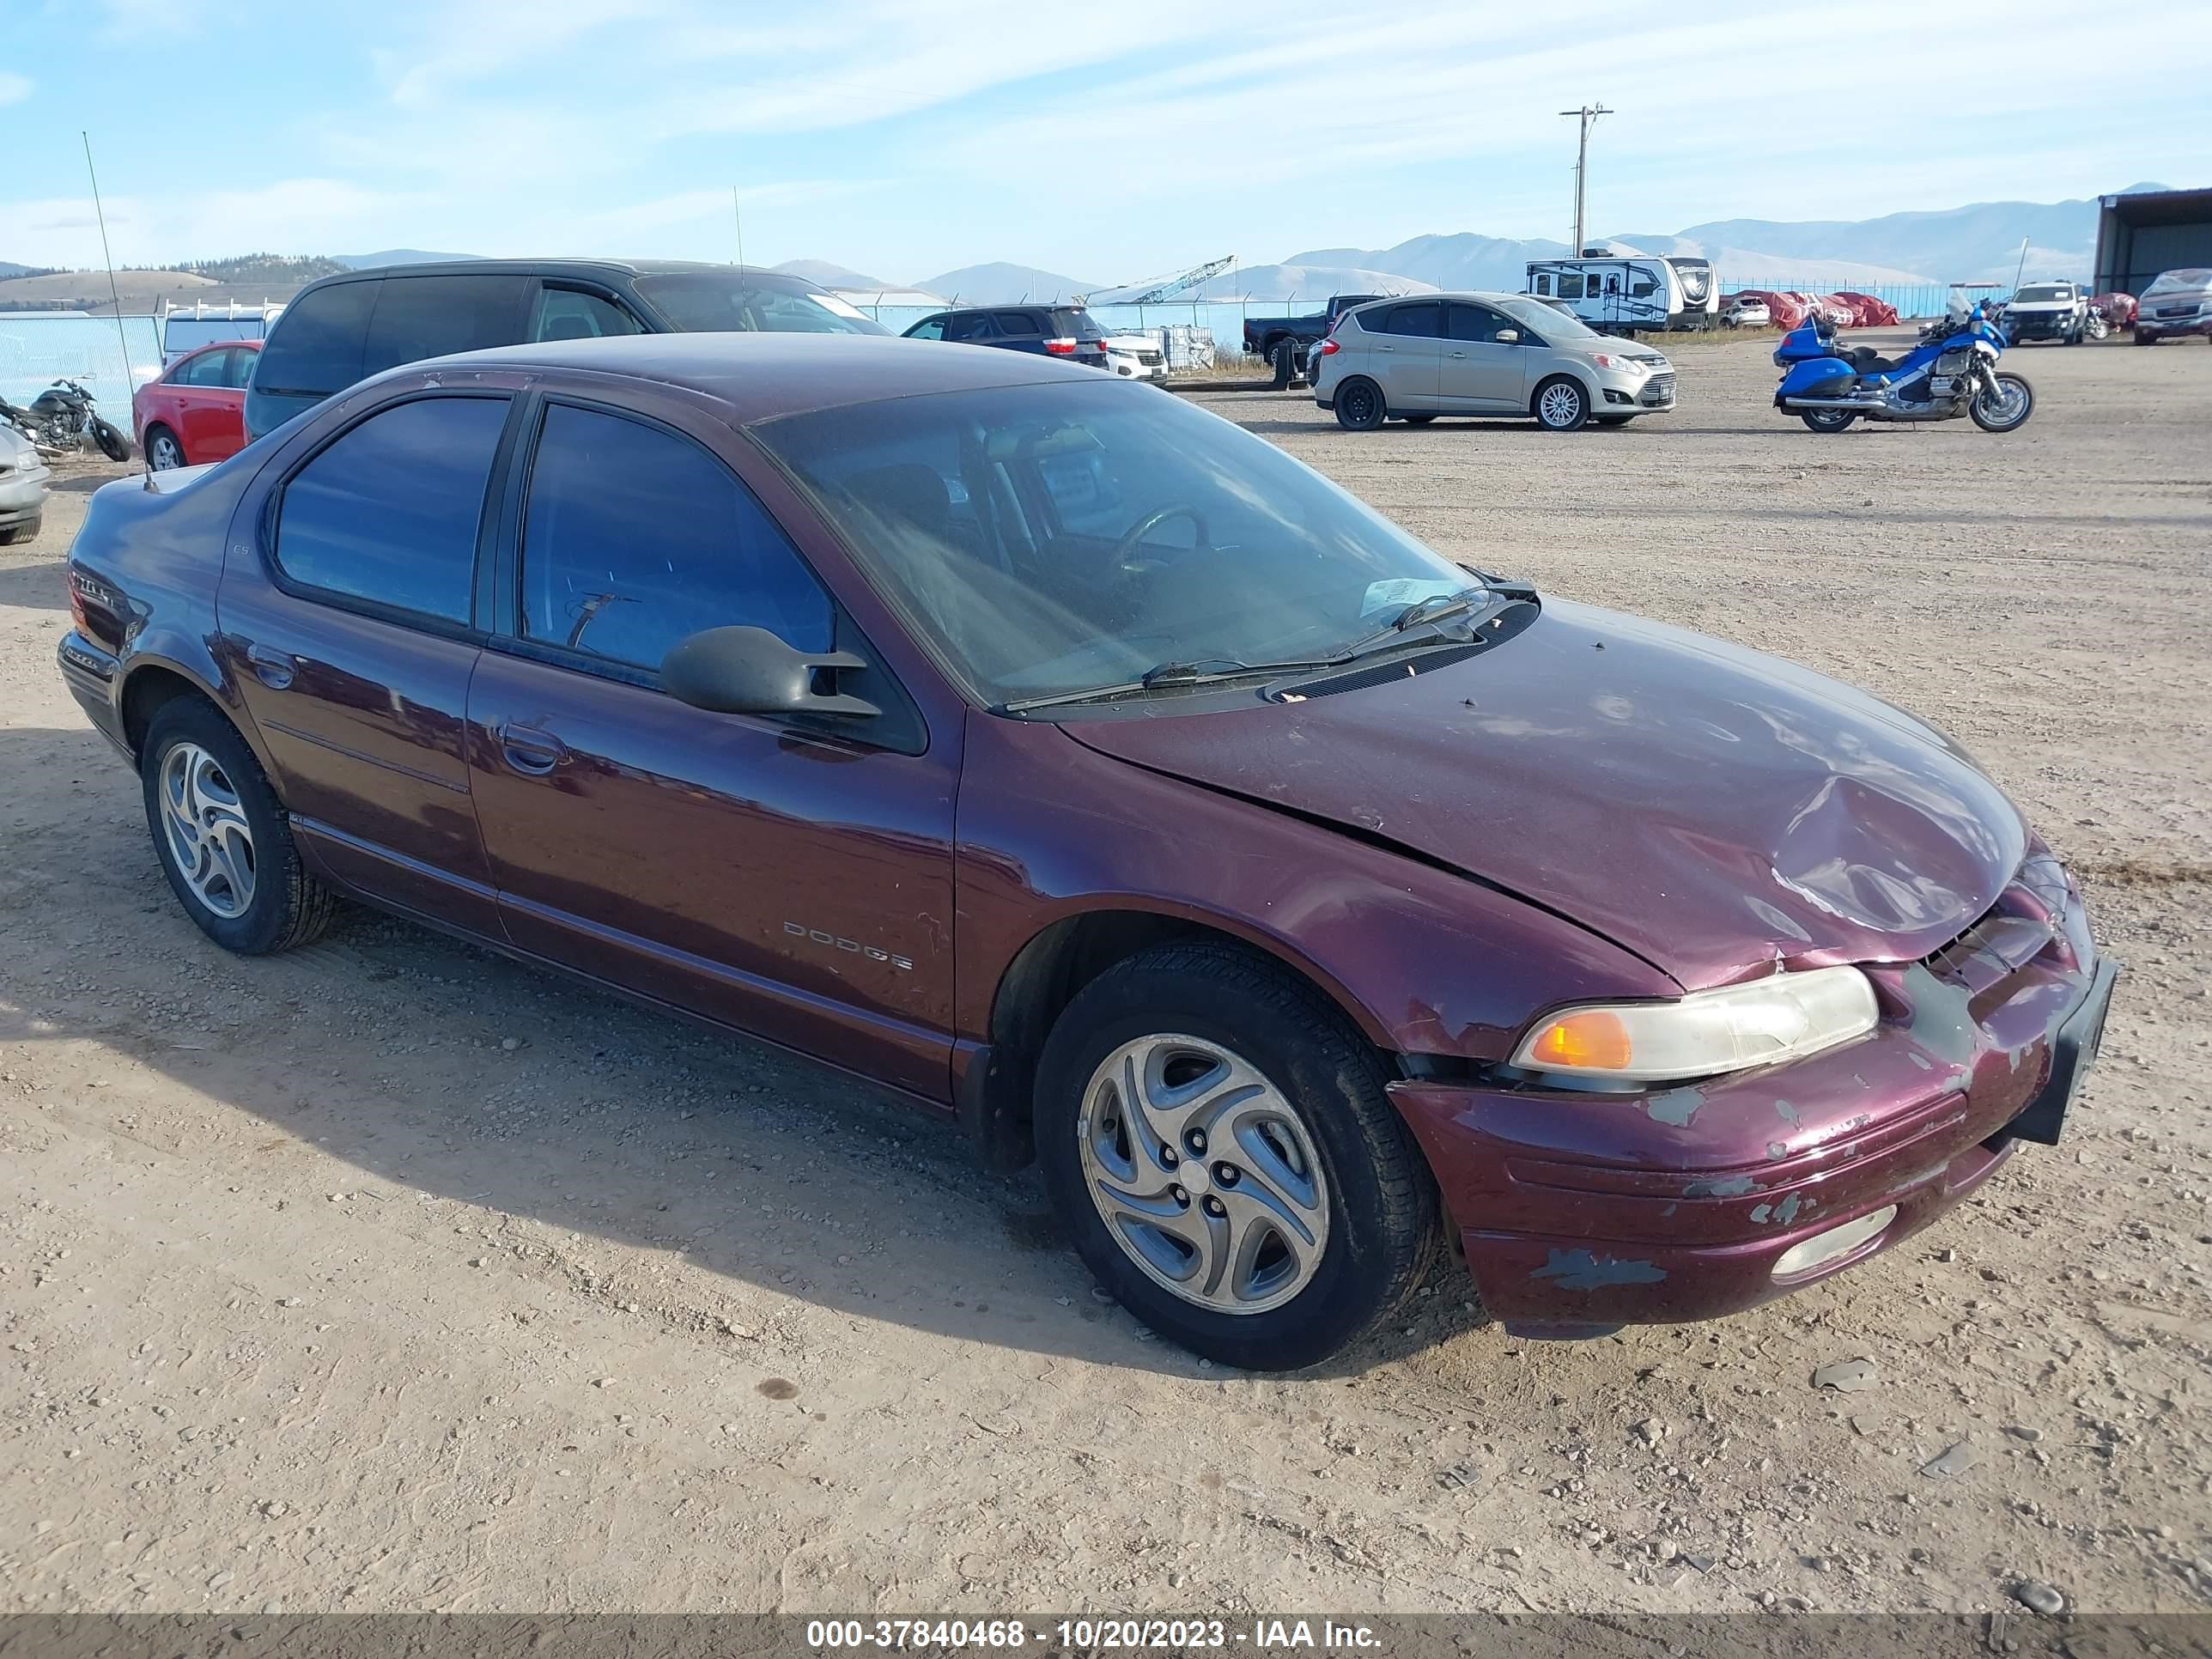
(1417, 357)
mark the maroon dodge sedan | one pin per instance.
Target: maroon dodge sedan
(1070, 761)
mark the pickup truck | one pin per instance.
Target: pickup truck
(2048, 311)
(1283, 341)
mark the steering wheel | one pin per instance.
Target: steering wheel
(1133, 537)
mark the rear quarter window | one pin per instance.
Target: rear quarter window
(315, 347)
(419, 317)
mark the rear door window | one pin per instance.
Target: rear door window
(315, 347)
(389, 512)
(975, 328)
(419, 317)
(1018, 325)
(570, 314)
(609, 570)
(208, 369)
(1424, 319)
(241, 368)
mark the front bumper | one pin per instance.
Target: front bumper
(23, 494)
(2162, 328)
(2041, 326)
(1581, 1213)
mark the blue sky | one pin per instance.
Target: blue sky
(905, 138)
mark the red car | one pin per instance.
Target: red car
(196, 411)
(1084, 769)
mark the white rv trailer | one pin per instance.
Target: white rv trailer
(1621, 293)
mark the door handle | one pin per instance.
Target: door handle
(1459, 354)
(274, 669)
(530, 750)
(1386, 347)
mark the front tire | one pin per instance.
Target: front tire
(113, 444)
(1285, 356)
(26, 532)
(163, 451)
(1611, 420)
(1419, 420)
(1561, 405)
(222, 836)
(2007, 413)
(1217, 1136)
(2142, 338)
(1359, 404)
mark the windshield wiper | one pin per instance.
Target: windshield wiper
(1442, 607)
(1211, 670)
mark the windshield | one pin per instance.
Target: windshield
(724, 302)
(1553, 325)
(2180, 279)
(2039, 295)
(1057, 537)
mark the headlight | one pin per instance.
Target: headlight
(1783, 1017)
(1607, 360)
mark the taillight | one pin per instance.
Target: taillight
(1064, 348)
(76, 608)
(1329, 345)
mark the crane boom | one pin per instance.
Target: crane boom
(1196, 277)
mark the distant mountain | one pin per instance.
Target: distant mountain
(1462, 261)
(396, 256)
(1002, 284)
(830, 276)
(1980, 242)
(9, 268)
(1305, 282)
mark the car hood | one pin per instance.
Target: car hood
(1712, 809)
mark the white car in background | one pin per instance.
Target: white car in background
(1748, 313)
(1136, 357)
(22, 487)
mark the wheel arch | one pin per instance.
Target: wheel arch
(1036, 984)
(150, 681)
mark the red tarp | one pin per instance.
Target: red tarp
(1845, 309)
(1867, 312)
(2119, 309)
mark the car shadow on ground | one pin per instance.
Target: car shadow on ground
(386, 1045)
(42, 586)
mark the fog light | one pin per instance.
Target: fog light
(1838, 1242)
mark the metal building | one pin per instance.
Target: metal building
(2139, 236)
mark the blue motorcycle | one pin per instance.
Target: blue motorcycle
(1952, 372)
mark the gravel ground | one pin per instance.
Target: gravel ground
(387, 1275)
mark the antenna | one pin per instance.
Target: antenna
(122, 339)
(1589, 112)
(2023, 271)
(739, 214)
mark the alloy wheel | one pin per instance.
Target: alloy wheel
(164, 453)
(1561, 406)
(1205, 1173)
(208, 833)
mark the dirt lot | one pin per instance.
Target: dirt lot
(388, 1275)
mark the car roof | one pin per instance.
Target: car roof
(553, 267)
(1017, 304)
(759, 376)
(1480, 296)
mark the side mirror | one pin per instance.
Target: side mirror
(748, 670)
(1507, 337)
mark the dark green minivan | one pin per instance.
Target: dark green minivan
(345, 328)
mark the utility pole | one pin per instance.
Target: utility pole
(1588, 113)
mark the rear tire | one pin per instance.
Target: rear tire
(1561, 405)
(1419, 420)
(28, 531)
(1828, 420)
(1297, 1115)
(222, 836)
(163, 451)
(1611, 420)
(2142, 338)
(1359, 404)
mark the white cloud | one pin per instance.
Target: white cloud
(14, 88)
